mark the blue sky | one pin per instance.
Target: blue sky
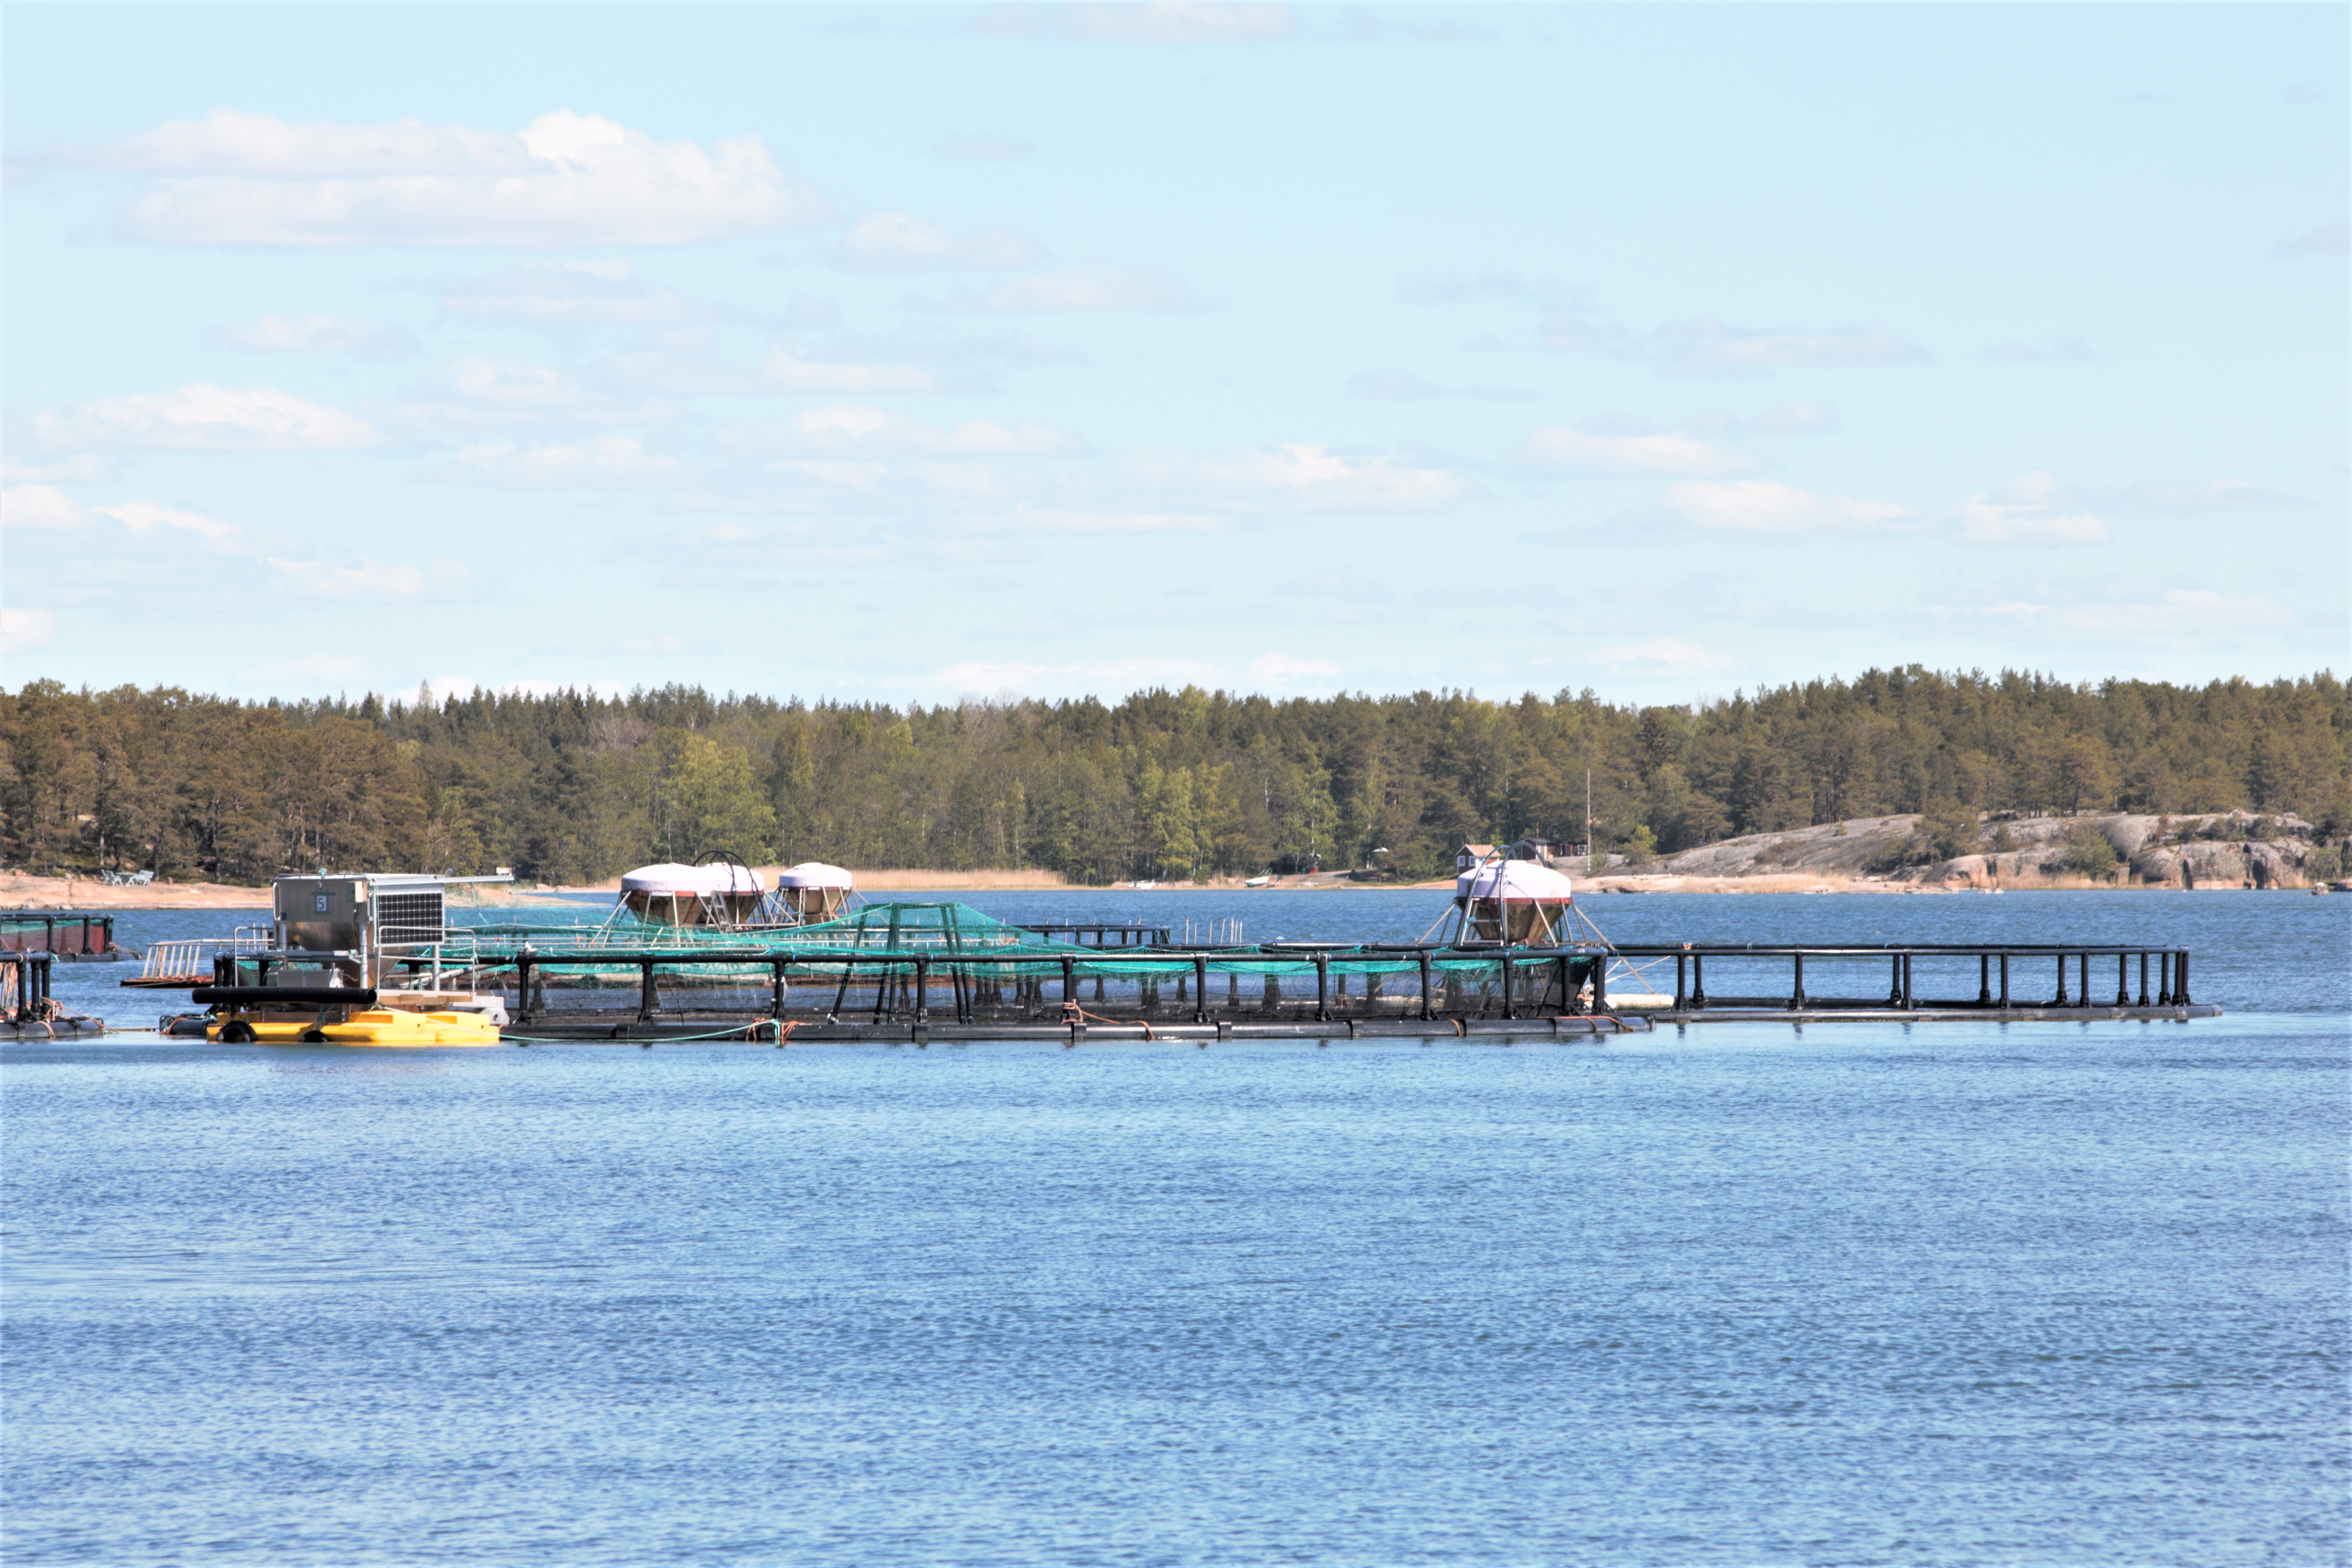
(914, 354)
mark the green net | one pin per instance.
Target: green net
(942, 931)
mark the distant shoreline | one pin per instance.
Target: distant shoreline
(23, 892)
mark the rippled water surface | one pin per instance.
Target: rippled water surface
(1959, 1293)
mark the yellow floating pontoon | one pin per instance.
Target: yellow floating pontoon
(367, 1026)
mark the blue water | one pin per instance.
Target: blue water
(1957, 1294)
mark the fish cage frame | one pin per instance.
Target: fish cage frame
(888, 968)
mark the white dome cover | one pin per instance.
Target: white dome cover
(1519, 882)
(689, 881)
(813, 874)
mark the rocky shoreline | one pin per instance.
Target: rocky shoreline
(2208, 850)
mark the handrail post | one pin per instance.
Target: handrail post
(2086, 978)
(1069, 982)
(1984, 981)
(1199, 988)
(1681, 962)
(1698, 982)
(776, 988)
(2060, 1001)
(922, 989)
(645, 991)
(1427, 1011)
(2123, 982)
(1910, 997)
(522, 986)
(2004, 983)
(1502, 962)
(2181, 978)
(1322, 988)
(2143, 977)
(1601, 982)
(1796, 1000)
(1894, 982)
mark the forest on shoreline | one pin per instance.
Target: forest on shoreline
(572, 786)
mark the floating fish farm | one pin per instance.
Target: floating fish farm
(916, 972)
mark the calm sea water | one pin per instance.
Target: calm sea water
(1855, 1294)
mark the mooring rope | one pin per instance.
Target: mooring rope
(1072, 1013)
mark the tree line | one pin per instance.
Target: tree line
(573, 786)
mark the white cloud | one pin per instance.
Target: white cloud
(1278, 669)
(564, 294)
(2034, 510)
(1392, 385)
(83, 469)
(1767, 507)
(1153, 22)
(854, 427)
(981, 147)
(2327, 240)
(1077, 291)
(1707, 347)
(2069, 349)
(1121, 675)
(1462, 289)
(2158, 498)
(46, 508)
(2175, 618)
(319, 336)
(1663, 656)
(1799, 419)
(1298, 478)
(21, 630)
(479, 392)
(369, 581)
(43, 509)
(663, 643)
(1667, 455)
(499, 385)
(205, 418)
(564, 179)
(894, 242)
(600, 461)
(793, 373)
(1043, 519)
(146, 517)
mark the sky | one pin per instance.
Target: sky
(918, 355)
